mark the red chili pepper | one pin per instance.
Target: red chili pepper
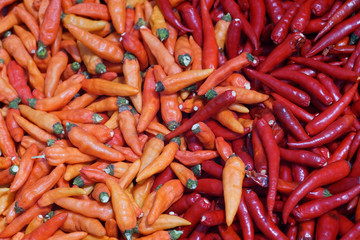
(302, 17)
(228, 232)
(299, 172)
(273, 156)
(199, 232)
(213, 106)
(212, 168)
(275, 10)
(330, 173)
(329, 134)
(354, 145)
(257, 18)
(163, 177)
(192, 19)
(184, 203)
(303, 157)
(193, 143)
(17, 79)
(169, 15)
(212, 236)
(245, 156)
(309, 84)
(213, 218)
(291, 93)
(233, 38)
(210, 186)
(261, 219)
(234, 10)
(316, 208)
(286, 187)
(194, 214)
(245, 219)
(343, 185)
(320, 7)
(210, 47)
(282, 27)
(353, 233)
(344, 225)
(260, 160)
(341, 152)
(306, 230)
(220, 131)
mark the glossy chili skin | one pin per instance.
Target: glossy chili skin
(233, 38)
(311, 85)
(289, 92)
(354, 145)
(212, 168)
(210, 186)
(306, 230)
(210, 47)
(302, 157)
(327, 226)
(194, 214)
(243, 154)
(246, 222)
(329, 134)
(261, 219)
(163, 177)
(220, 131)
(17, 79)
(341, 152)
(260, 160)
(192, 19)
(281, 28)
(184, 203)
(344, 225)
(302, 17)
(275, 10)
(316, 208)
(169, 15)
(213, 218)
(193, 143)
(199, 232)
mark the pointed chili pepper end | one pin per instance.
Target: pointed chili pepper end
(160, 136)
(104, 197)
(172, 125)
(211, 94)
(97, 118)
(15, 103)
(175, 234)
(159, 87)
(58, 128)
(32, 102)
(196, 170)
(162, 34)
(184, 60)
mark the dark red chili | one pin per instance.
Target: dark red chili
(302, 17)
(344, 184)
(192, 19)
(192, 142)
(316, 208)
(320, 7)
(299, 172)
(341, 152)
(228, 232)
(257, 20)
(354, 146)
(289, 92)
(213, 106)
(194, 215)
(245, 220)
(212, 236)
(210, 186)
(163, 177)
(306, 230)
(233, 38)
(210, 47)
(314, 26)
(17, 79)
(184, 203)
(220, 131)
(213, 218)
(344, 225)
(330, 173)
(260, 161)
(199, 232)
(169, 15)
(245, 157)
(285, 172)
(212, 168)
(353, 233)
(274, 10)
(303, 157)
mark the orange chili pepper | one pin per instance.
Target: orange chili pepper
(183, 53)
(168, 193)
(51, 23)
(101, 193)
(142, 190)
(131, 71)
(152, 150)
(15, 131)
(28, 20)
(57, 155)
(161, 162)
(81, 102)
(71, 81)
(221, 29)
(103, 105)
(84, 23)
(27, 39)
(36, 79)
(93, 63)
(228, 120)
(101, 47)
(130, 174)
(50, 197)
(35, 223)
(55, 46)
(127, 124)
(91, 145)
(104, 87)
(7, 145)
(193, 158)
(123, 209)
(233, 176)
(129, 19)
(57, 65)
(204, 134)
(9, 21)
(117, 10)
(70, 47)
(243, 95)
(196, 54)
(223, 148)
(91, 10)
(236, 80)
(16, 49)
(185, 175)
(158, 24)
(171, 40)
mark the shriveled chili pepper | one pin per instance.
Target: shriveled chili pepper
(337, 171)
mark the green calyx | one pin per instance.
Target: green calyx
(18, 209)
(6, 34)
(196, 170)
(129, 56)
(79, 1)
(124, 107)
(79, 182)
(2, 61)
(86, 74)
(14, 104)
(48, 216)
(69, 126)
(196, 128)
(75, 66)
(211, 94)
(109, 169)
(41, 52)
(250, 57)
(139, 23)
(104, 197)
(190, 88)
(120, 101)
(159, 87)
(327, 193)
(100, 68)
(184, 60)
(32, 102)
(58, 128)
(191, 184)
(50, 142)
(176, 140)
(160, 136)
(133, 111)
(62, 16)
(162, 34)
(354, 39)
(97, 118)
(227, 17)
(175, 234)
(14, 169)
(158, 187)
(172, 125)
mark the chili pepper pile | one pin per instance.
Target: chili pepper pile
(175, 119)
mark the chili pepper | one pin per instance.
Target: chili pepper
(210, 186)
(117, 10)
(234, 10)
(291, 93)
(92, 10)
(309, 84)
(320, 7)
(192, 19)
(275, 10)
(192, 142)
(213, 218)
(161, 162)
(50, 25)
(194, 215)
(27, 38)
(342, 150)
(184, 203)
(79, 116)
(210, 50)
(257, 212)
(220, 131)
(302, 157)
(330, 133)
(152, 150)
(233, 38)
(93, 63)
(245, 220)
(49, 197)
(323, 228)
(185, 175)
(169, 15)
(21, 221)
(287, 187)
(344, 225)
(84, 23)
(204, 134)
(260, 160)
(6, 3)
(282, 27)
(306, 229)
(193, 158)
(302, 17)
(316, 180)
(158, 24)
(319, 207)
(243, 154)
(7, 145)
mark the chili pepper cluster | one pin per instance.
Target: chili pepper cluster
(175, 119)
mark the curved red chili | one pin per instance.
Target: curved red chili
(233, 38)
(275, 10)
(192, 19)
(246, 222)
(184, 203)
(303, 157)
(17, 79)
(169, 15)
(210, 47)
(302, 17)
(212, 168)
(210, 186)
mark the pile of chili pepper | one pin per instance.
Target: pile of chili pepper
(175, 119)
